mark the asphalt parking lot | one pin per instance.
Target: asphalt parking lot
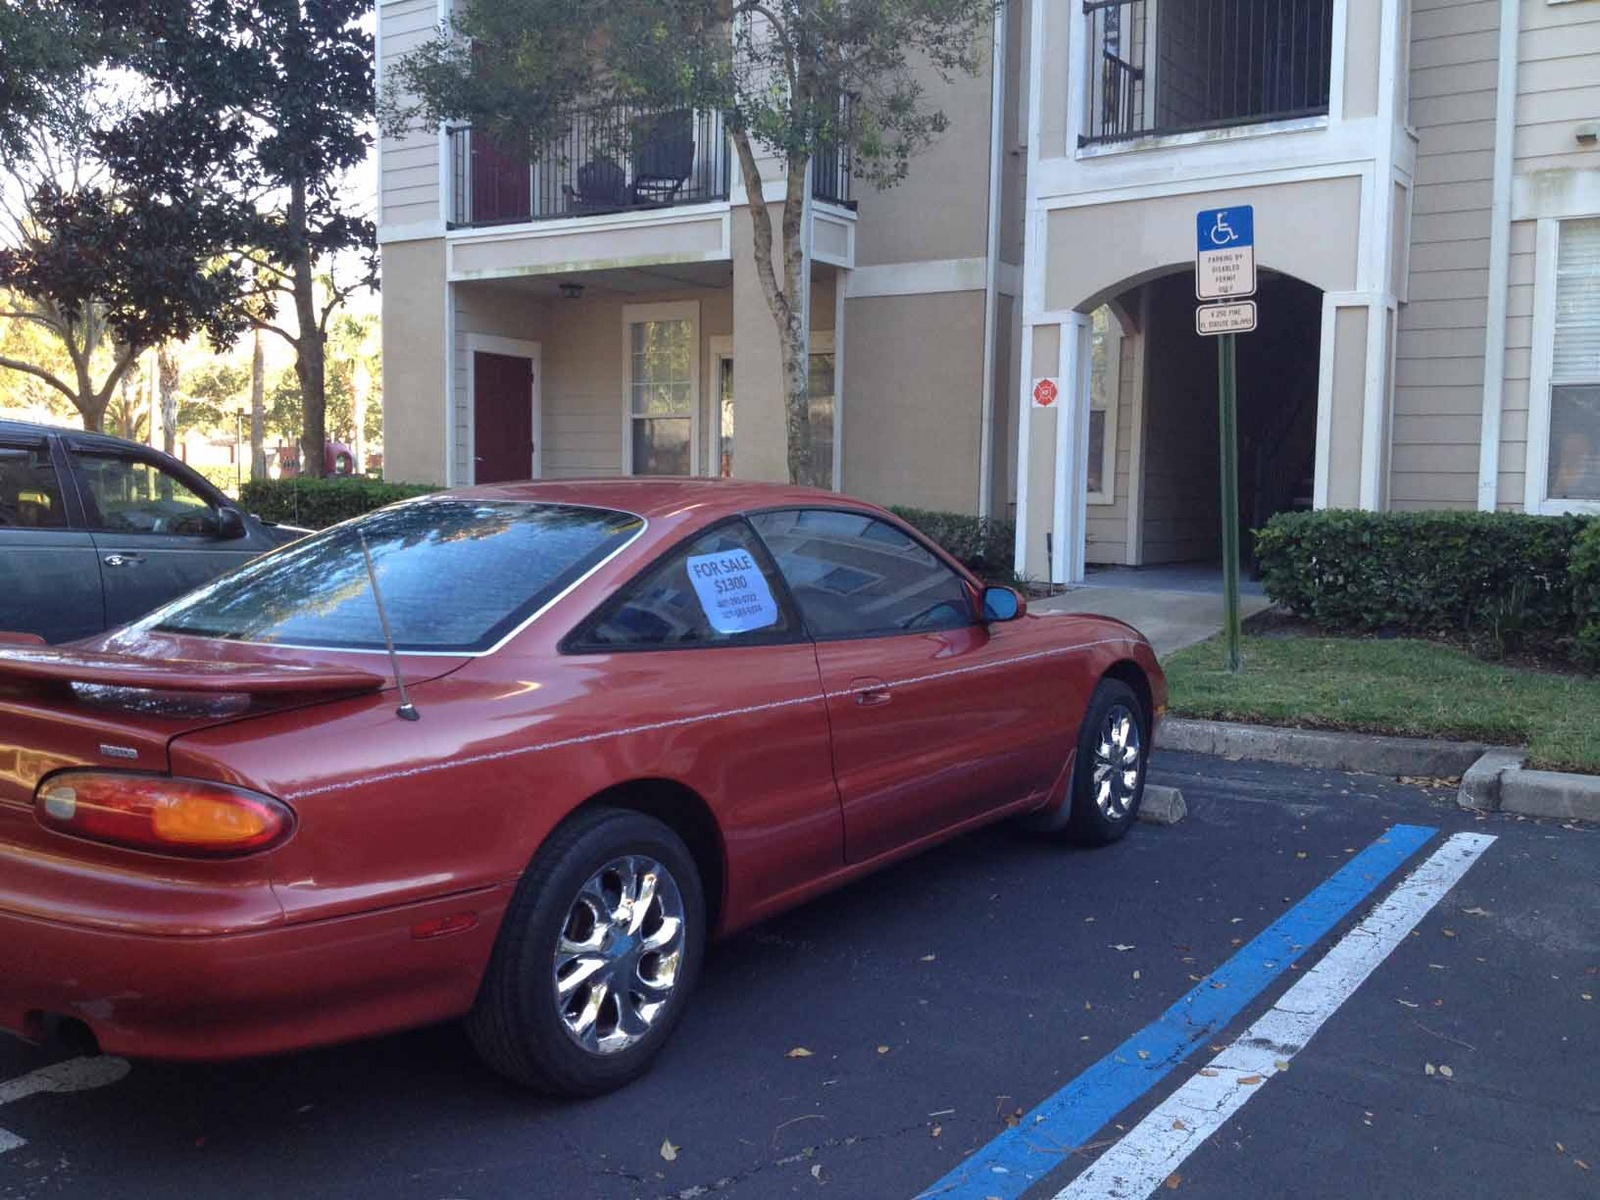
(927, 1031)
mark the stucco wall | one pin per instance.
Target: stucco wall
(414, 324)
(912, 388)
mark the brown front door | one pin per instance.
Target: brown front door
(502, 401)
(500, 183)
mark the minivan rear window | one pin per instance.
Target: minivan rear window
(455, 575)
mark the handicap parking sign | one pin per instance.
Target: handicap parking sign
(1225, 253)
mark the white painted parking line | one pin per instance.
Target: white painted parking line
(73, 1075)
(1152, 1150)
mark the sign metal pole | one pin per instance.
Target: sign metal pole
(1228, 425)
(1225, 274)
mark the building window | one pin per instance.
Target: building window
(663, 386)
(1573, 468)
(1105, 379)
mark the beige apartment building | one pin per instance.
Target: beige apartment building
(1425, 181)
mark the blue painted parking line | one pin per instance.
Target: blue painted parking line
(1044, 1138)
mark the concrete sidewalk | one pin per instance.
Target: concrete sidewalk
(1173, 607)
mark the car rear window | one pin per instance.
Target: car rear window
(455, 575)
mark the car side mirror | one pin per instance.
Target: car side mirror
(1003, 604)
(230, 524)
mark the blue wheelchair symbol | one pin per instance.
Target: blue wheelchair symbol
(1220, 228)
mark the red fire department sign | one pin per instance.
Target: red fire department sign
(1045, 393)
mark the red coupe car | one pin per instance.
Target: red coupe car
(515, 753)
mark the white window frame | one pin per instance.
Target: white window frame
(636, 314)
(719, 347)
(719, 350)
(1536, 479)
(1108, 451)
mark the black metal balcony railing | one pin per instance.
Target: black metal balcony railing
(1184, 65)
(610, 160)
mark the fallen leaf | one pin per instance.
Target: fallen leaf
(816, 1171)
(1586, 995)
(1299, 853)
(883, 1049)
(929, 957)
(1208, 1072)
(1218, 984)
(668, 1150)
(1236, 921)
(1281, 1064)
(1447, 1072)
(1476, 912)
(798, 1052)
(1173, 1181)
(1249, 1080)
(1448, 932)
(1087, 1007)
(1121, 946)
(1136, 974)
(1238, 941)
(1177, 1123)
(937, 1130)
(1407, 1003)
(1560, 1149)
(1581, 1163)
(1144, 1054)
(1429, 1069)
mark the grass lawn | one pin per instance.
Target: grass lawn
(1402, 686)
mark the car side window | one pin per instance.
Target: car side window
(853, 575)
(129, 495)
(30, 492)
(718, 590)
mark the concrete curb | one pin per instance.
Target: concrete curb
(1366, 753)
(1492, 778)
(1497, 782)
(1162, 805)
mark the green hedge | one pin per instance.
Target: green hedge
(985, 545)
(318, 503)
(1586, 595)
(1507, 576)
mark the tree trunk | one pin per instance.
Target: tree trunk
(785, 299)
(258, 411)
(167, 372)
(309, 348)
(361, 387)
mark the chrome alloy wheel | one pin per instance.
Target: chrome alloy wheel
(619, 953)
(1116, 763)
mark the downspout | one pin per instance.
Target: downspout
(991, 269)
(1494, 340)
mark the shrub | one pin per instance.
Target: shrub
(1426, 572)
(984, 545)
(1586, 595)
(318, 503)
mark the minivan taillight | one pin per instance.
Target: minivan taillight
(189, 817)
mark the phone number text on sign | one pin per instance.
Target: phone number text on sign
(733, 591)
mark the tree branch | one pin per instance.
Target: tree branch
(26, 368)
(269, 327)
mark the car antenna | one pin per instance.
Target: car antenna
(407, 710)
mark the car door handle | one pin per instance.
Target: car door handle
(870, 693)
(123, 560)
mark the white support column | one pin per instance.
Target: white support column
(1024, 421)
(1068, 527)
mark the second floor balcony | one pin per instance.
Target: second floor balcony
(612, 160)
(1161, 67)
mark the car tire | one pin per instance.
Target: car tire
(593, 965)
(1108, 775)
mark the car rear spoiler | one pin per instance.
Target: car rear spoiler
(25, 659)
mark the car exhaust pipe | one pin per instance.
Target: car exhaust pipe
(58, 1031)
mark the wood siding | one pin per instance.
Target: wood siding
(409, 182)
(1438, 393)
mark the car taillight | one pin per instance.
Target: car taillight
(188, 817)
